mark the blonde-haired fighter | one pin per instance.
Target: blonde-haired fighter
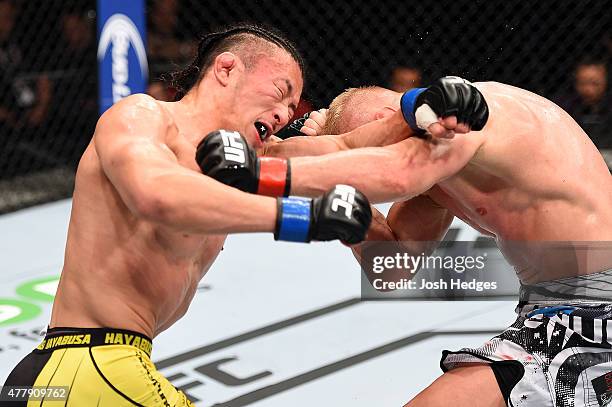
(530, 177)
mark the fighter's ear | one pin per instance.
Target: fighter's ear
(384, 112)
(224, 64)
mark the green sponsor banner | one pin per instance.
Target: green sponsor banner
(17, 311)
(41, 289)
(14, 311)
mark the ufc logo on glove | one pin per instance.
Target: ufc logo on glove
(232, 146)
(346, 199)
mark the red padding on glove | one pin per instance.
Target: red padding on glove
(272, 176)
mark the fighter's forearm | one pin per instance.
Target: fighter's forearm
(373, 170)
(414, 227)
(393, 173)
(304, 145)
(394, 129)
(379, 231)
(382, 241)
(194, 203)
(375, 134)
(365, 167)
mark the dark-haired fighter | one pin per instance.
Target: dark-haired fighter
(146, 224)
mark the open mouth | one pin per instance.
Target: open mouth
(263, 130)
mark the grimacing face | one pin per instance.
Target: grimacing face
(268, 96)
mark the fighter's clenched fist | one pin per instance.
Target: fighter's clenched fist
(451, 104)
(342, 213)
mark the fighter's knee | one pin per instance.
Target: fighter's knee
(477, 384)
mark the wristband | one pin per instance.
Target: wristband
(407, 104)
(293, 219)
(274, 177)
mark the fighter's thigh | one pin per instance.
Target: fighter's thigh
(130, 373)
(473, 386)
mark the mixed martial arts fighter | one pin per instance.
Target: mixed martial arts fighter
(530, 178)
(146, 224)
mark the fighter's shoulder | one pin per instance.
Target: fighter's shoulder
(135, 110)
(513, 105)
(509, 94)
(496, 88)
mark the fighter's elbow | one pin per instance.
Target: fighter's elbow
(410, 179)
(343, 142)
(398, 186)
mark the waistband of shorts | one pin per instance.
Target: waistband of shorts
(65, 337)
(591, 288)
(590, 311)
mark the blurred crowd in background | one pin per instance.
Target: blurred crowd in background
(48, 66)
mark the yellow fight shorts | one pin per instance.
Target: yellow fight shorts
(91, 367)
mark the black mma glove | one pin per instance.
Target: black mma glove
(342, 213)
(448, 96)
(227, 157)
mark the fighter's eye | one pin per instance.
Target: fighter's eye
(280, 93)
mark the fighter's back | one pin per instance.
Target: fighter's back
(528, 130)
(538, 179)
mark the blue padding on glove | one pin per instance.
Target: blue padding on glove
(407, 104)
(295, 219)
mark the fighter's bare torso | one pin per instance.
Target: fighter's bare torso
(532, 182)
(125, 272)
